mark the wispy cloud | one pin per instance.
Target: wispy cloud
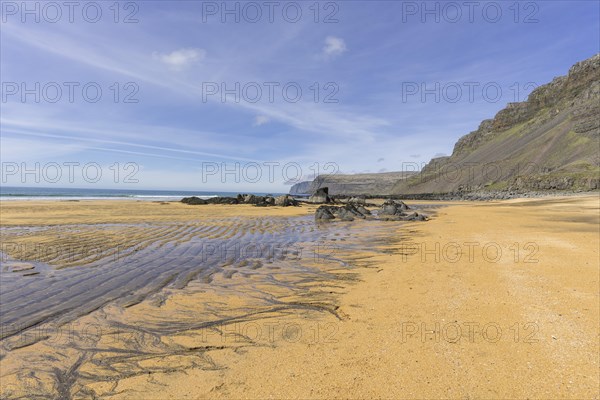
(260, 120)
(181, 59)
(100, 136)
(334, 46)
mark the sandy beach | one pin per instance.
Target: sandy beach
(485, 300)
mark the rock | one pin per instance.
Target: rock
(391, 218)
(357, 200)
(264, 201)
(355, 211)
(214, 200)
(394, 210)
(363, 210)
(193, 200)
(320, 196)
(324, 214)
(392, 207)
(222, 200)
(415, 217)
(285, 201)
(250, 199)
(388, 209)
(344, 215)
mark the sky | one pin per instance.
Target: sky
(255, 96)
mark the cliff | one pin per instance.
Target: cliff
(549, 142)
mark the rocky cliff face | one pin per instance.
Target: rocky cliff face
(301, 189)
(359, 184)
(549, 142)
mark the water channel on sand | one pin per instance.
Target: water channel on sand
(88, 303)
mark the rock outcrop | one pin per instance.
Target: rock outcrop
(390, 211)
(258, 201)
(393, 210)
(285, 201)
(348, 212)
(321, 195)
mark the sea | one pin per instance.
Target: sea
(41, 193)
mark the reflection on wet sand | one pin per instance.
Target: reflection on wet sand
(118, 300)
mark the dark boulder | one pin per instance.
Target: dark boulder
(395, 210)
(193, 200)
(320, 196)
(222, 200)
(285, 201)
(415, 217)
(323, 213)
(363, 210)
(263, 201)
(357, 201)
(393, 207)
(251, 199)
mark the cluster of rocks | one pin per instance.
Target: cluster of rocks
(195, 201)
(355, 200)
(258, 201)
(391, 210)
(395, 210)
(346, 212)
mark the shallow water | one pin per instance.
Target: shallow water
(242, 269)
(168, 255)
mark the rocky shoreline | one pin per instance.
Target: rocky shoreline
(349, 210)
(257, 201)
(472, 196)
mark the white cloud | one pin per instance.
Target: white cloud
(182, 58)
(334, 46)
(260, 120)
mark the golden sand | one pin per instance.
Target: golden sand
(486, 300)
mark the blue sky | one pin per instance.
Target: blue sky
(371, 60)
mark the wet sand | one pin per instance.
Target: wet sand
(486, 300)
